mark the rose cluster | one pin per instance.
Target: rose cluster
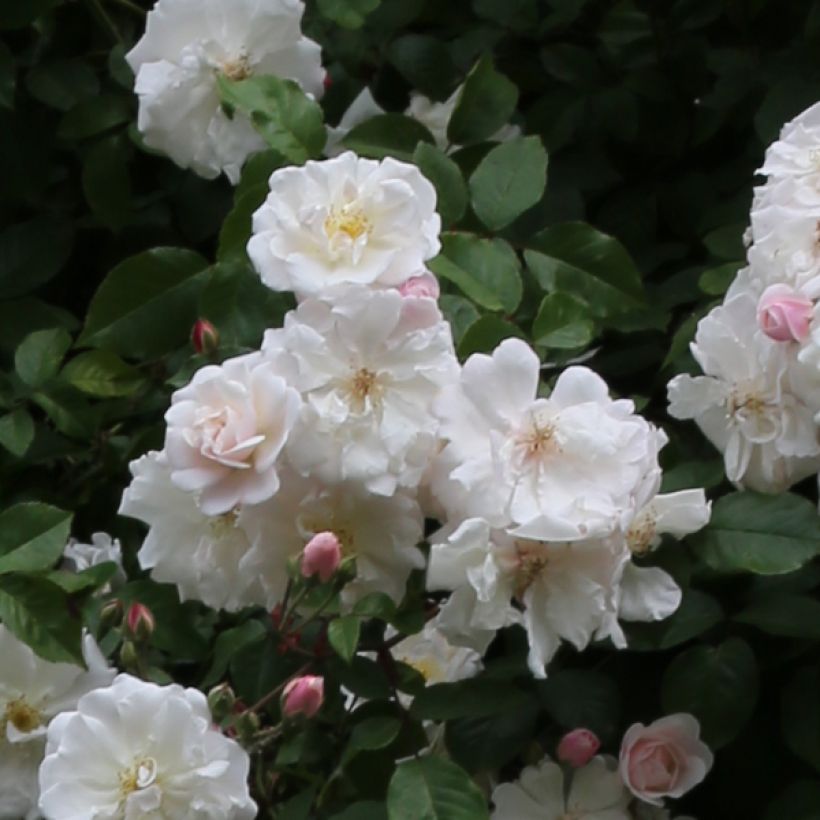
(759, 400)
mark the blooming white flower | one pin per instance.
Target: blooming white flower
(227, 561)
(796, 154)
(435, 116)
(595, 793)
(102, 550)
(565, 588)
(512, 458)
(344, 220)
(435, 658)
(19, 790)
(186, 46)
(369, 370)
(225, 431)
(32, 692)
(136, 750)
(744, 404)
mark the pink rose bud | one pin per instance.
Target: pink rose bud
(327, 81)
(784, 315)
(665, 759)
(140, 621)
(578, 747)
(303, 696)
(321, 556)
(423, 285)
(204, 337)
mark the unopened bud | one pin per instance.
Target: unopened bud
(303, 696)
(111, 614)
(139, 621)
(321, 556)
(246, 726)
(578, 747)
(205, 337)
(221, 702)
(129, 657)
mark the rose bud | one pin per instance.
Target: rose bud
(784, 315)
(665, 759)
(303, 696)
(221, 701)
(421, 286)
(204, 337)
(111, 614)
(578, 747)
(321, 556)
(140, 622)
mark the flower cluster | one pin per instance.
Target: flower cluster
(665, 759)
(759, 400)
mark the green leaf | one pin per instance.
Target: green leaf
(432, 788)
(103, 374)
(375, 605)
(347, 13)
(89, 579)
(789, 615)
(726, 242)
(38, 613)
(32, 537)
(578, 249)
(563, 322)
(146, 306)
(364, 677)
(16, 431)
(107, 183)
(33, 252)
(716, 281)
(469, 698)
(288, 120)
(61, 84)
(459, 312)
(484, 335)
(385, 135)
(485, 104)
(363, 810)
(37, 360)
(18, 15)
(425, 62)
(764, 534)
(95, 115)
(718, 685)
(576, 697)
(343, 635)
(227, 645)
(371, 734)
(445, 175)
(697, 613)
(486, 270)
(508, 181)
(800, 709)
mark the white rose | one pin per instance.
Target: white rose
(226, 430)
(187, 44)
(344, 220)
(136, 749)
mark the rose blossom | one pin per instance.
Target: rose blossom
(225, 431)
(784, 315)
(665, 759)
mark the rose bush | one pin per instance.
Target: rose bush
(409, 411)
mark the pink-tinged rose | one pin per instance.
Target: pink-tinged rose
(303, 696)
(665, 759)
(204, 337)
(784, 315)
(424, 285)
(226, 430)
(321, 556)
(578, 747)
(140, 621)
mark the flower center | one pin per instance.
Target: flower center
(349, 220)
(426, 667)
(22, 716)
(537, 441)
(140, 775)
(362, 386)
(238, 69)
(641, 533)
(222, 525)
(744, 403)
(531, 560)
